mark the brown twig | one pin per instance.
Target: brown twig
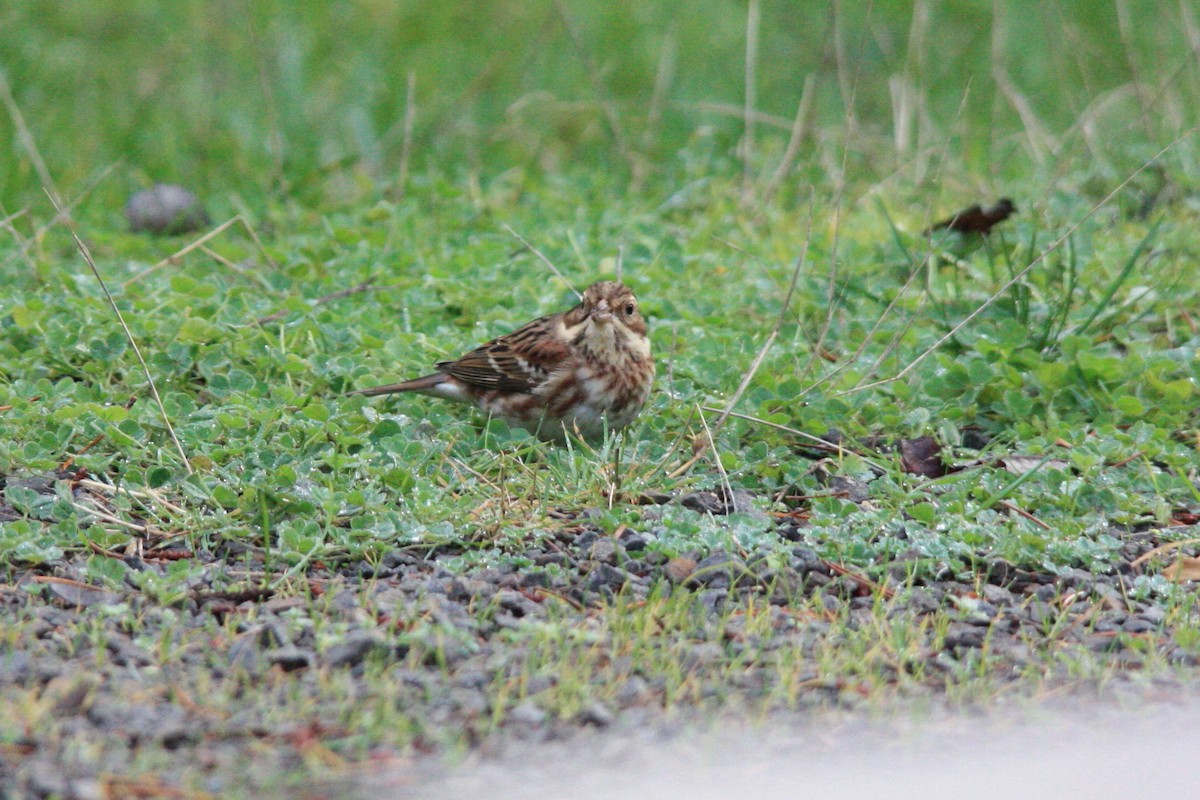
(861, 580)
(66, 465)
(199, 243)
(362, 287)
(1007, 506)
(545, 260)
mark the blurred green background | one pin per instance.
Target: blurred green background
(258, 100)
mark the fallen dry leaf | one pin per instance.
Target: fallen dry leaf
(1185, 568)
(1162, 548)
(79, 595)
(1019, 465)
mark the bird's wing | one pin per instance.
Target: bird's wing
(968, 220)
(516, 362)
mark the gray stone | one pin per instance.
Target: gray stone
(605, 577)
(997, 595)
(353, 648)
(961, 634)
(1155, 615)
(527, 713)
(1138, 625)
(290, 658)
(606, 551)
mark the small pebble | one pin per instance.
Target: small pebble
(165, 209)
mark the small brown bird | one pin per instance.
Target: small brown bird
(976, 219)
(582, 371)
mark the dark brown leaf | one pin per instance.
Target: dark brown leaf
(922, 457)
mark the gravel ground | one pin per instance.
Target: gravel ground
(220, 687)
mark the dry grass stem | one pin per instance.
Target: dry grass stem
(410, 114)
(87, 256)
(543, 258)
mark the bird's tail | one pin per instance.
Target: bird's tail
(425, 384)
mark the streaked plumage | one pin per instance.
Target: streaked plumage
(585, 370)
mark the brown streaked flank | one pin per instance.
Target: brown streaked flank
(585, 370)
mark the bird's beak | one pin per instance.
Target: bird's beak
(602, 313)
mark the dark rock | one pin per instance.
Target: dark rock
(1040, 613)
(805, 560)
(605, 577)
(903, 565)
(848, 488)
(586, 539)
(606, 551)
(713, 600)
(999, 572)
(518, 604)
(1046, 593)
(815, 580)
(467, 589)
(718, 570)
(1102, 643)
(638, 567)
(635, 542)
(961, 634)
(998, 595)
(126, 653)
(922, 456)
(1155, 615)
(397, 559)
(975, 439)
(703, 503)
(352, 649)
(1138, 625)
(535, 579)
(471, 678)
(1181, 657)
(656, 558)
(290, 658)
(595, 714)
(1077, 579)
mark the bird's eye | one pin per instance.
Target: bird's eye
(629, 309)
